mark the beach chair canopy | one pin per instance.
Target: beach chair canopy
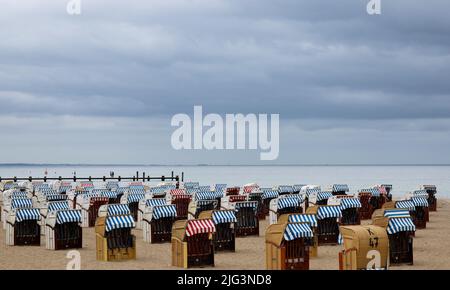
(119, 222)
(99, 190)
(372, 191)
(164, 211)
(56, 196)
(155, 201)
(223, 216)
(68, 216)
(420, 193)
(195, 227)
(64, 188)
(112, 184)
(118, 209)
(108, 194)
(121, 190)
(406, 204)
(203, 188)
(236, 198)
(220, 186)
(242, 204)
(303, 218)
(136, 191)
(324, 195)
(285, 188)
(191, 184)
(269, 194)
(329, 212)
(291, 201)
(48, 191)
(429, 187)
(26, 214)
(350, 203)
(297, 230)
(400, 224)
(298, 187)
(135, 197)
(10, 185)
(57, 205)
(340, 187)
(397, 213)
(177, 191)
(21, 203)
(206, 195)
(419, 201)
(310, 191)
(158, 190)
(19, 194)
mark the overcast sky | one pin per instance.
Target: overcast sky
(102, 87)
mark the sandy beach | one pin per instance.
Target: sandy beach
(431, 251)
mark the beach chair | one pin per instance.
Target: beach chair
(22, 227)
(132, 198)
(197, 206)
(328, 219)
(247, 222)
(157, 223)
(224, 238)
(339, 189)
(192, 244)
(233, 190)
(421, 211)
(432, 200)
(311, 220)
(287, 246)
(350, 207)
(63, 230)
(285, 204)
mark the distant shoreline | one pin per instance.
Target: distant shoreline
(204, 165)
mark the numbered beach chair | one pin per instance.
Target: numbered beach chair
(432, 200)
(224, 239)
(400, 228)
(22, 227)
(328, 220)
(247, 223)
(365, 247)
(192, 243)
(63, 230)
(157, 223)
(114, 239)
(285, 204)
(287, 246)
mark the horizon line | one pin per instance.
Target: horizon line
(206, 164)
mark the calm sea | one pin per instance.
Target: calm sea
(404, 178)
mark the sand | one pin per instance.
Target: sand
(431, 251)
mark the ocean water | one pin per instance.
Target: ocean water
(403, 178)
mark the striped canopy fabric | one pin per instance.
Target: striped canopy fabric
(249, 188)
(323, 195)
(136, 187)
(400, 224)
(10, 185)
(191, 184)
(421, 192)
(118, 209)
(350, 203)
(269, 194)
(112, 185)
(51, 197)
(177, 191)
(340, 187)
(136, 191)
(27, 214)
(220, 186)
(121, 190)
(19, 194)
(64, 188)
(298, 187)
(297, 230)
(202, 188)
(329, 212)
(397, 213)
(158, 189)
(99, 190)
(406, 204)
(68, 216)
(191, 190)
(235, 198)
(21, 203)
(420, 201)
(304, 218)
(195, 227)
(373, 191)
(288, 202)
(224, 216)
(119, 222)
(285, 188)
(310, 191)
(109, 194)
(181, 196)
(135, 197)
(57, 205)
(87, 185)
(207, 195)
(429, 187)
(164, 211)
(48, 191)
(155, 201)
(241, 204)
